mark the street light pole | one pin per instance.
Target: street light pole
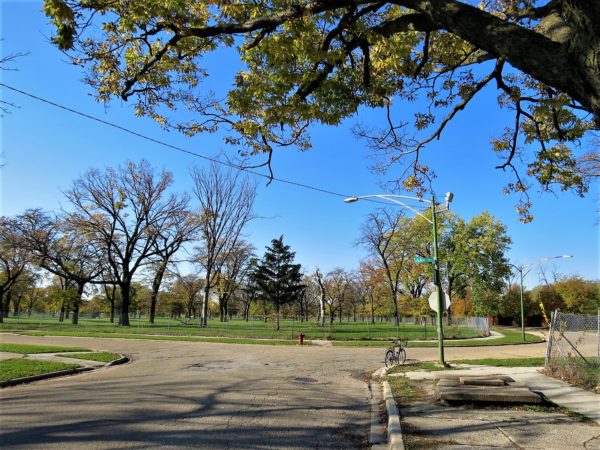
(438, 286)
(522, 274)
(436, 270)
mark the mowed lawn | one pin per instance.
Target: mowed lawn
(257, 329)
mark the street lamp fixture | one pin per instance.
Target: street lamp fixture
(523, 271)
(435, 209)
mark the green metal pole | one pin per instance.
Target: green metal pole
(522, 309)
(438, 286)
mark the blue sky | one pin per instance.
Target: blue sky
(44, 149)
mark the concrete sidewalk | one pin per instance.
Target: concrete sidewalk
(53, 357)
(427, 424)
(558, 392)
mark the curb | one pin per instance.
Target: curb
(117, 362)
(395, 441)
(60, 373)
(44, 376)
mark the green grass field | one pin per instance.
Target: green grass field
(98, 356)
(27, 349)
(19, 368)
(254, 329)
(506, 362)
(510, 337)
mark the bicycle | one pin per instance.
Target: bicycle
(396, 353)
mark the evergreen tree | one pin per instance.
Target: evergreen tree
(276, 278)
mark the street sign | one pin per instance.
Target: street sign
(433, 301)
(419, 260)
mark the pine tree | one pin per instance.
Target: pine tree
(276, 278)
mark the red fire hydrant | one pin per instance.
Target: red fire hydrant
(301, 338)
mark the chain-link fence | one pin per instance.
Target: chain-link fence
(363, 328)
(573, 342)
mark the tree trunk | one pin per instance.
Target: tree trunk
(571, 66)
(6, 304)
(223, 307)
(61, 317)
(372, 311)
(321, 300)
(204, 312)
(1, 303)
(396, 315)
(125, 302)
(17, 305)
(156, 282)
(111, 300)
(277, 316)
(75, 318)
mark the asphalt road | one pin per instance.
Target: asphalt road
(204, 395)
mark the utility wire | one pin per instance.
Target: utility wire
(177, 148)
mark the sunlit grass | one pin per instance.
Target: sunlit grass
(11, 369)
(253, 329)
(99, 356)
(505, 362)
(27, 349)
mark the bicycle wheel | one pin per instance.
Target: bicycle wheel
(401, 356)
(390, 358)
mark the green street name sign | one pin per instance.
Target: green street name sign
(423, 260)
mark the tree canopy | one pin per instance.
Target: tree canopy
(307, 61)
(276, 278)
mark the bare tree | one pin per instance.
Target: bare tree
(369, 277)
(34, 292)
(311, 297)
(226, 198)
(5, 65)
(59, 247)
(236, 264)
(337, 284)
(14, 260)
(380, 235)
(189, 286)
(176, 230)
(122, 212)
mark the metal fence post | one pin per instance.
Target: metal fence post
(550, 336)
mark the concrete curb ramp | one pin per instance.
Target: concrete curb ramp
(60, 373)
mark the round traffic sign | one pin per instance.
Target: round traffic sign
(433, 301)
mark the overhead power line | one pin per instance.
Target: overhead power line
(175, 147)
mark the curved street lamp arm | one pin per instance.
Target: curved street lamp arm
(542, 261)
(393, 198)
